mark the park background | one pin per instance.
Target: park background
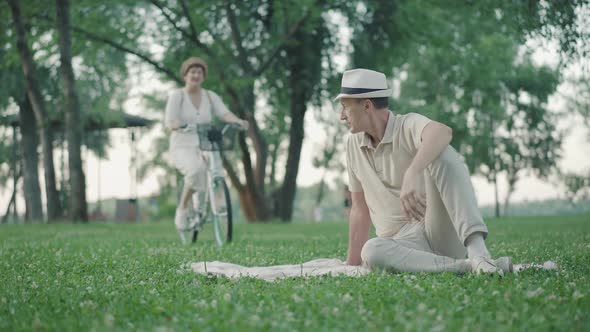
(511, 79)
(83, 89)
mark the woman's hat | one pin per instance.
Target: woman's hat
(193, 61)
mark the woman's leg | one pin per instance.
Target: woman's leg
(190, 163)
(185, 197)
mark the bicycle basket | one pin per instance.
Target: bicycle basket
(212, 139)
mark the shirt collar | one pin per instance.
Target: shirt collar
(387, 136)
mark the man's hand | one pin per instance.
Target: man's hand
(413, 203)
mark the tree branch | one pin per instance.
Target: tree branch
(187, 14)
(237, 37)
(194, 38)
(188, 17)
(187, 35)
(273, 54)
(120, 47)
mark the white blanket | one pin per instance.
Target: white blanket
(316, 267)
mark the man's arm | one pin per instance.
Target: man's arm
(359, 225)
(435, 138)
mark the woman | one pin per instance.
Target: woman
(191, 106)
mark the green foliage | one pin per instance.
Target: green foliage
(445, 53)
(100, 71)
(121, 277)
(577, 186)
(283, 52)
(579, 100)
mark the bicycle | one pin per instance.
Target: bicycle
(215, 205)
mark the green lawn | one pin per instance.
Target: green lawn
(134, 277)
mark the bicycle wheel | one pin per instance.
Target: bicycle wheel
(221, 211)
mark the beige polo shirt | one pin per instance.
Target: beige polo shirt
(379, 171)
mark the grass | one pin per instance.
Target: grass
(134, 277)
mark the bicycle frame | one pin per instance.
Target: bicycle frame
(215, 171)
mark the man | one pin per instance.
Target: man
(414, 188)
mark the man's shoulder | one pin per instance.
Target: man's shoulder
(409, 120)
(409, 116)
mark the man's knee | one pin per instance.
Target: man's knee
(447, 163)
(371, 253)
(448, 157)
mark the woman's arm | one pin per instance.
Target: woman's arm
(229, 117)
(225, 114)
(172, 117)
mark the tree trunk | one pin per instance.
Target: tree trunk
(29, 143)
(53, 204)
(77, 181)
(296, 133)
(248, 205)
(273, 165)
(511, 187)
(10, 207)
(506, 203)
(321, 189)
(497, 199)
(300, 74)
(252, 198)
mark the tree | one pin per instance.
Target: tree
(531, 140)
(29, 143)
(77, 206)
(442, 54)
(251, 39)
(14, 91)
(578, 185)
(327, 156)
(256, 48)
(38, 106)
(579, 100)
(258, 33)
(303, 80)
(101, 78)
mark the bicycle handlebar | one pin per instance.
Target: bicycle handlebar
(193, 127)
